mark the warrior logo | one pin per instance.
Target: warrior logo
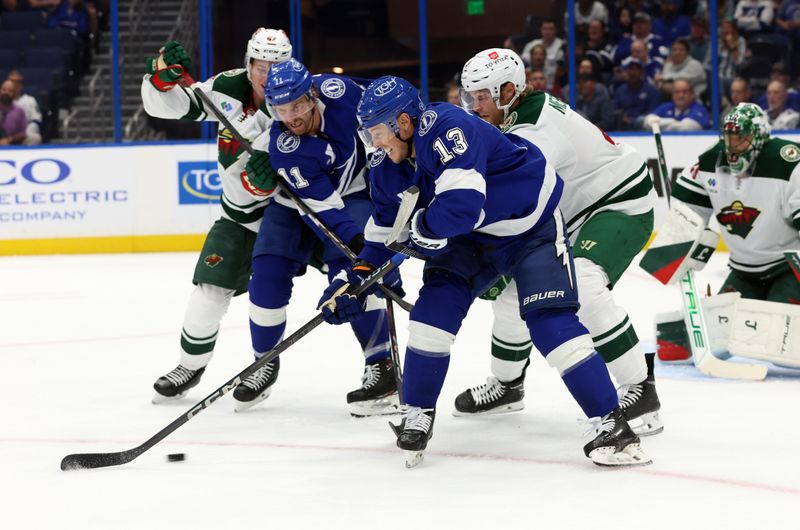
(738, 219)
(426, 121)
(288, 142)
(333, 88)
(212, 260)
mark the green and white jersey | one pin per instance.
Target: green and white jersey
(231, 93)
(759, 212)
(599, 174)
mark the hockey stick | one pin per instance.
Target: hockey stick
(793, 259)
(391, 295)
(696, 328)
(94, 460)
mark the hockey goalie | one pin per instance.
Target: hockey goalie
(749, 185)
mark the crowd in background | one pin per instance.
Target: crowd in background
(639, 59)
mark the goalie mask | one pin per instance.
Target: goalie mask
(271, 45)
(486, 73)
(745, 130)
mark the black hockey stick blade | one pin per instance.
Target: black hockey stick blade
(94, 460)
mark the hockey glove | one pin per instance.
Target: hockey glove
(339, 307)
(392, 280)
(423, 240)
(261, 179)
(168, 68)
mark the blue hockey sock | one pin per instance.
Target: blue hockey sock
(591, 386)
(423, 377)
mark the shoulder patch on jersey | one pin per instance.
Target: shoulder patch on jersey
(377, 158)
(287, 142)
(232, 73)
(426, 121)
(333, 88)
(790, 153)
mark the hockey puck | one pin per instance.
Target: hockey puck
(176, 457)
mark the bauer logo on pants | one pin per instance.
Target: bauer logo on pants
(198, 183)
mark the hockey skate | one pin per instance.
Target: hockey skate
(640, 404)
(378, 393)
(176, 383)
(493, 397)
(615, 444)
(257, 387)
(415, 431)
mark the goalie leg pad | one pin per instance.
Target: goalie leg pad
(769, 331)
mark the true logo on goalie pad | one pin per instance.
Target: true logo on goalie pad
(738, 219)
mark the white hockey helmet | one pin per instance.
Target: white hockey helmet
(490, 70)
(271, 45)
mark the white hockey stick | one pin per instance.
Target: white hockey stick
(696, 327)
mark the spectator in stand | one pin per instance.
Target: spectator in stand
(554, 48)
(71, 14)
(586, 11)
(9, 5)
(787, 22)
(621, 25)
(538, 61)
(652, 67)
(671, 25)
(779, 73)
(599, 49)
(535, 80)
(699, 43)
(780, 115)
(46, 6)
(637, 97)
(451, 93)
(33, 116)
(683, 113)
(641, 30)
(739, 93)
(681, 66)
(754, 16)
(12, 117)
(594, 103)
(732, 53)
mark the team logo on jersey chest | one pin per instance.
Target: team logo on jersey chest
(377, 158)
(287, 142)
(333, 88)
(426, 121)
(509, 121)
(738, 219)
(790, 153)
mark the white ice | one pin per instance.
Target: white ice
(84, 337)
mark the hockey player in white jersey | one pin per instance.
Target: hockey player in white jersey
(223, 268)
(750, 184)
(608, 207)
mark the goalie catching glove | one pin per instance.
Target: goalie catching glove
(260, 178)
(338, 307)
(168, 68)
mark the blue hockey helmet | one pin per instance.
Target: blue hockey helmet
(288, 82)
(384, 100)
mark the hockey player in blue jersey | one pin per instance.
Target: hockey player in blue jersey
(488, 206)
(314, 147)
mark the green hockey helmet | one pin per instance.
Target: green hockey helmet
(745, 130)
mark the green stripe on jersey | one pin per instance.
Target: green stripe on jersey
(636, 192)
(619, 345)
(239, 216)
(689, 196)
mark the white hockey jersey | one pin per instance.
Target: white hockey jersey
(598, 175)
(759, 213)
(231, 92)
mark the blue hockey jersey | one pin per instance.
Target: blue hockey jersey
(473, 180)
(330, 165)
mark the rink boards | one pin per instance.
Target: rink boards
(156, 196)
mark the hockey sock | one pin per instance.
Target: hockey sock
(590, 385)
(270, 289)
(372, 331)
(424, 374)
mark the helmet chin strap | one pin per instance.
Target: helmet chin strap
(507, 107)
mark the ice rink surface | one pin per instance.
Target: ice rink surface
(84, 337)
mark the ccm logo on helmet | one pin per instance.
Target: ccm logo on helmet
(542, 296)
